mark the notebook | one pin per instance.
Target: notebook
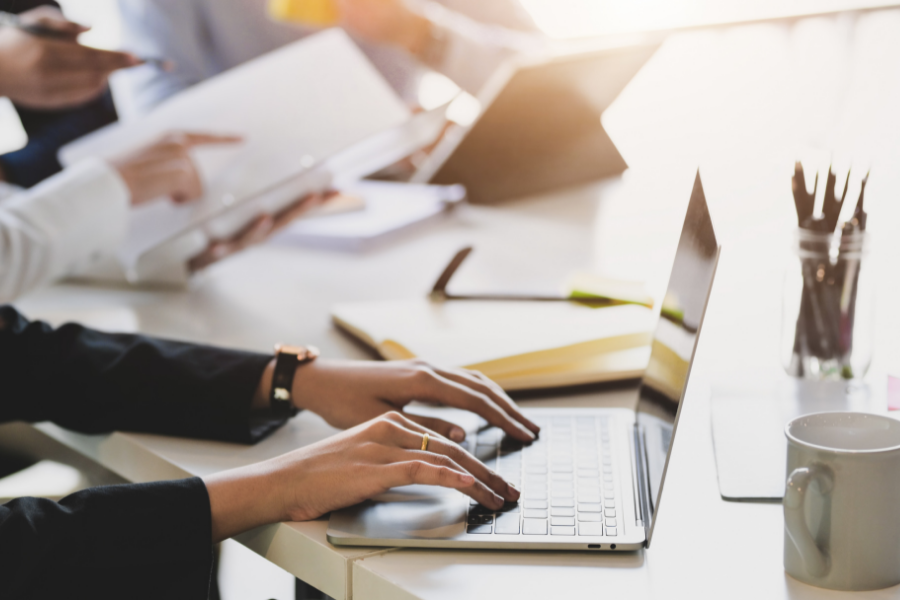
(520, 345)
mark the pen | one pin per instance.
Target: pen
(850, 279)
(42, 31)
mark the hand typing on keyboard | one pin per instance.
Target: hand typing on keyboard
(566, 477)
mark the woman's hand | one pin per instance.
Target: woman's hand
(346, 393)
(345, 470)
(385, 22)
(45, 73)
(165, 167)
(261, 229)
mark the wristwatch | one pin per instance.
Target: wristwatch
(287, 360)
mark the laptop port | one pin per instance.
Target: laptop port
(593, 546)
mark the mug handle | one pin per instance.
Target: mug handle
(817, 562)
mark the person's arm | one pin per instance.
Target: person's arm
(470, 52)
(465, 49)
(174, 30)
(137, 541)
(48, 131)
(58, 226)
(77, 219)
(94, 382)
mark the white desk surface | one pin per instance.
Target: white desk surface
(742, 103)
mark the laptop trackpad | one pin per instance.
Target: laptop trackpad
(414, 511)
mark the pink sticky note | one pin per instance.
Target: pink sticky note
(893, 395)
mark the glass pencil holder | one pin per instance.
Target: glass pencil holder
(827, 327)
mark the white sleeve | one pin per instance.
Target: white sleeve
(174, 30)
(57, 227)
(472, 50)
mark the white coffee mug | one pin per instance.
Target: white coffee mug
(842, 501)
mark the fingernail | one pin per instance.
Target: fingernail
(457, 434)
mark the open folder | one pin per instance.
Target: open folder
(520, 345)
(313, 114)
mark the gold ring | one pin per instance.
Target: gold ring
(424, 442)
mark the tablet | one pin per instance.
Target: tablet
(539, 127)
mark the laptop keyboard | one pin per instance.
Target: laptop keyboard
(567, 479)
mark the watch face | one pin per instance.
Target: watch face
(303, 353)
(288, 349)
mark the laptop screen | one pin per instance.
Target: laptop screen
(665, 380)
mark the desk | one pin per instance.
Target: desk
(743, 104)
(241, 303)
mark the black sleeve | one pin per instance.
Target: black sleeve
(96, 382)
(138, 541)
(50, 130)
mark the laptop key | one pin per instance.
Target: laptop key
(562, 521)
(610, 512)
(562, 531)
(610, 522)
(610, 504)
(539, 504)
(478, 529)
(558, 511)
(590, 529)
(507, 525)
(534, 527)
(534, 514)
(589, 507)
(611, 531)
(562, 502)
(511, 507)
(480, 519)
(478, 509)
(590, 517)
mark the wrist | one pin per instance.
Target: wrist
(244, 498)
(298, 377)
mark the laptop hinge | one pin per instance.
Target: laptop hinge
(642, 497)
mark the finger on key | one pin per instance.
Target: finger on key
(465, 460)
(450, 393)
(489, 388)
(478, 490)
(422, 472)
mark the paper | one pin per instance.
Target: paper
(295, 107)
(390, 209)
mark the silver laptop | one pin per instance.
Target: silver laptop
(594, 478)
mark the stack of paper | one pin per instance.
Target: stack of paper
(388, 210)
(520, 345)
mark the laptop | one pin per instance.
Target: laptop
(594, 478)
(539, 128)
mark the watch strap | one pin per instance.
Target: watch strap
(287, 360)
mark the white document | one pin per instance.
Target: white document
(389, 209)
(302, 110)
